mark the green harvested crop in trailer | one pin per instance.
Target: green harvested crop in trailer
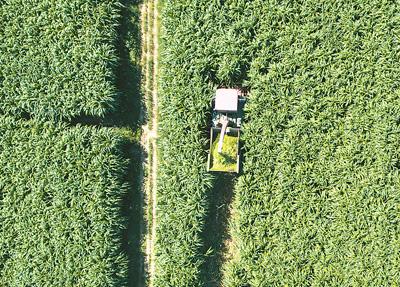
(57, 58)
(227, 159)
(61, 191)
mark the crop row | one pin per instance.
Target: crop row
(58, 58)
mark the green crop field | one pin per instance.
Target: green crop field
(58, 58)
(182, 179)
(196, 56)
(69, 189)
(61, 194)
(317, 201)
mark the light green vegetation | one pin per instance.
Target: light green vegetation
(67, 217)
(58, 58)
(318, 202)
(204, 44)
(61, 191)
(227, 159)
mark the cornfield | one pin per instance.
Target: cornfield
(60, 196)
(58, 58)
(63, 186)
(317, 203)
(198, 53)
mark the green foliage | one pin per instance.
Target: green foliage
(318, 202)
(60, 205)
(227, 159)
(182, 183)
(57, 58)
(196, 36)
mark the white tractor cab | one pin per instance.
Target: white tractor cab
(227, 114)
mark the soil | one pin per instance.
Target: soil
(149, 62)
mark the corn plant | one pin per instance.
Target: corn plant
(60, 205)
(57, 58)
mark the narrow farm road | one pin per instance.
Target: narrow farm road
(149, 62)
(153, 135)
(141, 279)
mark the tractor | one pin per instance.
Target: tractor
(227, 113)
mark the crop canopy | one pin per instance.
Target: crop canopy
(60, 198)
(57, 57)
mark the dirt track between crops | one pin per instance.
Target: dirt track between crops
(153, 138)
(149, 62)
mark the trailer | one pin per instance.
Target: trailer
(227, 113)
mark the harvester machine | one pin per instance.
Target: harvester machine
(227, 114)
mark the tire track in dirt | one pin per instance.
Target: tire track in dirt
(149, 26)
(153, 137)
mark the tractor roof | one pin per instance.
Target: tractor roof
(226, 100)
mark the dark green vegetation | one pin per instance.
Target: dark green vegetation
(128, 71)
(58, 58)
(216, 236)
(317, 203)
(182, 179)
(127, 119)
(70, 209)
(60, 213)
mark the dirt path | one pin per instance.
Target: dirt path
(153, 136)
(149, 26)
(141, 279)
